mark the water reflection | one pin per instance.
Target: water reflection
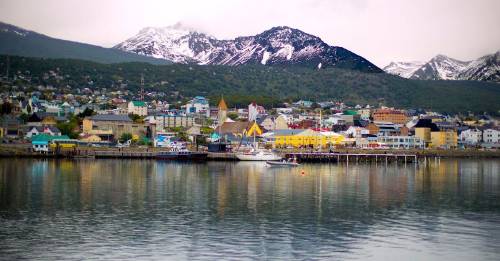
(130, 209)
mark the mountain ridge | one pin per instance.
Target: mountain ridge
(442, 67)
(279, 45)
(15, 40)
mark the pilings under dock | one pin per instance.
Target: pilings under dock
(350, 157)
(124, 154)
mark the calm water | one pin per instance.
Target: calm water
(133, 209)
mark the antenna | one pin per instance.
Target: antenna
(8, 65)
(142, 87)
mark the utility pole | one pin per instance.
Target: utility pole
(8, 65)
(142, 87)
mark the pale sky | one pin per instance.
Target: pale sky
(379, 30)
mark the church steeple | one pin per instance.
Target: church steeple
(222, 104)
(222, 114)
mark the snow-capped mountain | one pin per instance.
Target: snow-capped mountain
(441, 67)
(403, 69)
(278, 45)
(486, 68)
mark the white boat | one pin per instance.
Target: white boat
(283, 163)
(258, 155)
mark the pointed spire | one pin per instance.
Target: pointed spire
(222, 104)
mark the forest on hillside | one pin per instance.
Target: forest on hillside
(264, 84)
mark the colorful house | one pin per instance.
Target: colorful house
(138, 108)
(300, 138)
(198, 105)
(42, 142)
(38, 130)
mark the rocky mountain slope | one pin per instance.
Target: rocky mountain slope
(441, 67)
(403, 69)
(277, 46)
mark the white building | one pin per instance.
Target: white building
(137, 107)
(166, 121)
(198, 105)
(491, 136)
(471, 136)
(402, 142)
(356, 132)
(284, 110)
(252, 111)
(37, 130)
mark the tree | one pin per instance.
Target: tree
(136, 118)
(69, 127)
(206, 130)
(125, 137)
(232, 115)
(6, 108)
(87, 112)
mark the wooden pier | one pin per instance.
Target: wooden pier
(222, 156)
(351, 157)
(123, 154)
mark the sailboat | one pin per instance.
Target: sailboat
(257, 154)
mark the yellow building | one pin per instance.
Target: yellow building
(254, 128)
(444, 139)
(298, 138)
(90, 138)
(107, 124)
(424, 134)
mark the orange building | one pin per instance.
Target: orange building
(389, 115)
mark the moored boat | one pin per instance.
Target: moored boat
(184, 155)
(258, 155)
(284, 163)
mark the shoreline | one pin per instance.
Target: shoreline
(19, 151)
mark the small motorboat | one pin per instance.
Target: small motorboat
(284, 163)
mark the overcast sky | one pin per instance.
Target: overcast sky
(379, 30)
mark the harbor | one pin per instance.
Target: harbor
(369, 156)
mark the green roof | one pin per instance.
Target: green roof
(139, 103)
(47, 138)
(350, 112)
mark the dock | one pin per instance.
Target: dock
(350, 157)
(222, 156)
(123, 154)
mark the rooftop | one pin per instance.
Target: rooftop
(139, 103)
(111, 117)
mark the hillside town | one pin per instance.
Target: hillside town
(101, 118)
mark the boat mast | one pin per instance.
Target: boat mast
(254, 140)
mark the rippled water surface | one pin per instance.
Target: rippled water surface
(140, 209)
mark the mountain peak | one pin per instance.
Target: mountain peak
(442, 67)
(403, 69)
(281, 45)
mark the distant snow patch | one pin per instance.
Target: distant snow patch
(265, 57)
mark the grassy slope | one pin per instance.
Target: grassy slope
(38, 45)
